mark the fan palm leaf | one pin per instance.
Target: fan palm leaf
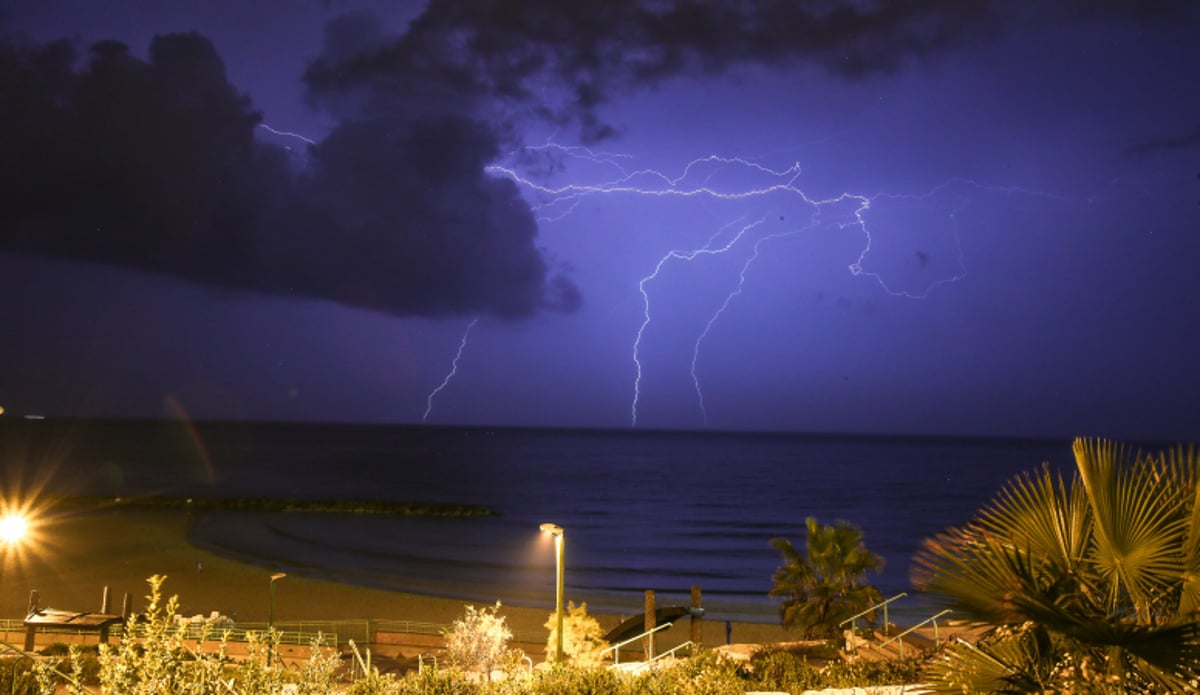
(1139, 524)
(1108, 564)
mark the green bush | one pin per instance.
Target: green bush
(431, 681)
(156, 657)
(570, 680)
(709, 673)
(790, 671)
(782, 670)
(16, 676)
(865, 673)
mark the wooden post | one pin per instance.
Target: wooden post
(650, 622)
(104, 601)
(30, 630)
(126, 607)
(697, 639)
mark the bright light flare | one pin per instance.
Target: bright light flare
(21, 531)
(13, 529)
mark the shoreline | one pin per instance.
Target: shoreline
(71, 557)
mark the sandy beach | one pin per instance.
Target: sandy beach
(70, 559)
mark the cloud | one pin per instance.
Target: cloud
(563, 60)
(153, 164)
(1174, 142)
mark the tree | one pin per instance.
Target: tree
(826, 584)
(1094, 584)
(583, 638)
(478, 640)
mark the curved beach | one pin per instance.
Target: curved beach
(71, 558)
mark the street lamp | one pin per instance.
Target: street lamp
(557, 531)
(271, 614)
(13, 528)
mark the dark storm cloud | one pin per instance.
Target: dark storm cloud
(1175, 142)
(563, 60)
(153, 164)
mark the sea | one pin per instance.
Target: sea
(641, 510)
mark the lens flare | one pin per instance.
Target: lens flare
(13, 528)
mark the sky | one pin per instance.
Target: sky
(911, 217)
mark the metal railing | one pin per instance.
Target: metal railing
(194, 631)
(410, 626)
(672, 650)
(881, 604)
(293, 632)
(20, 654)
(616, 648)
(931, 619)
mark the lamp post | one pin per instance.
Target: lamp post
(557, 531)
(271, 615)
(14, 531)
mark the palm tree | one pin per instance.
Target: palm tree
(1094, 583)
(826, 584)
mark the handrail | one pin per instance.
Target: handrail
(931, 619)
(883, 604)
(616, 648)
(671, 651)
(22, 654)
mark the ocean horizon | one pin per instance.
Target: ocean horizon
(662, 510)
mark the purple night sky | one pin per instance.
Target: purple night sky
(863, 216)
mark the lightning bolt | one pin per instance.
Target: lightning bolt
(287, 134)
(462, 346)
(701, 179)
(734, 293)
(681, 255)
(535, 168)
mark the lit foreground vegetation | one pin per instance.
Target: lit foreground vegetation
(166, 658)
(1092, 584)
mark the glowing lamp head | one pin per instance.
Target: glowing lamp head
(552, 529)
(13, 528)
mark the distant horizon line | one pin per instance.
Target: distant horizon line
(647, 431)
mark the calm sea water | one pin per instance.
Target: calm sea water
(641, 510)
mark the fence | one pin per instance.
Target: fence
(330, 633)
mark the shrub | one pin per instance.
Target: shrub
(567, 680)
(430, 681)
(583, 638)
(784, 670)
(16, 675)
(478, 640)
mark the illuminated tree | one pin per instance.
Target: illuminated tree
(583, 638)
(478, 640)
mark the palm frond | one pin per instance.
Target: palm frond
(1185, 464)
(1138, 524)
(1013, 661)
(1042, 513)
